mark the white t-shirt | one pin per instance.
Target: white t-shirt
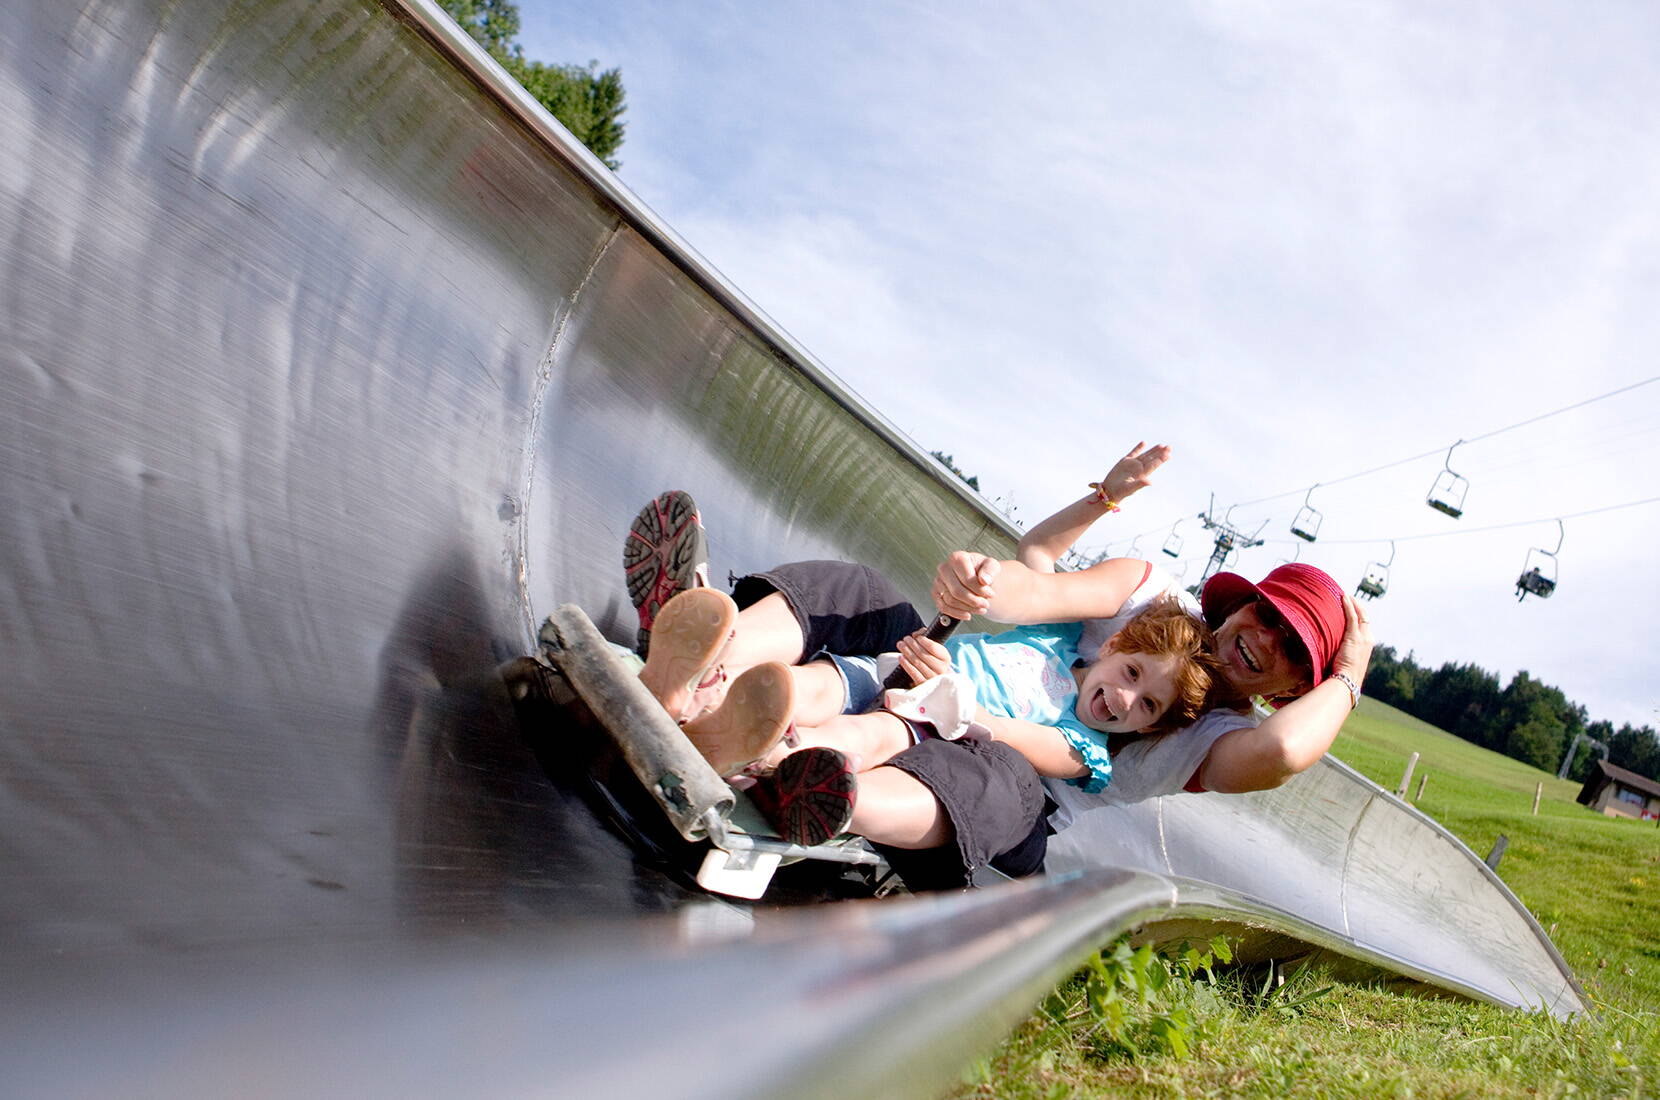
(1151, 766)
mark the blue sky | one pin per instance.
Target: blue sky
(1294, 241)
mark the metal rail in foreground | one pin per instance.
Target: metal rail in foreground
(856, 999)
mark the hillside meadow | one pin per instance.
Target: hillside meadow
(1129, 1026)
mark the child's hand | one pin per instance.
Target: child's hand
(1130, 473)
(922, 657)
(963, 584)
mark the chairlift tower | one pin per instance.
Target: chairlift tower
(1573, 750)
(1228, 539)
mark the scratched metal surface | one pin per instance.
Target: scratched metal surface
(327, 368)
(1341, 853)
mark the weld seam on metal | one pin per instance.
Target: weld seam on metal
(538, 402)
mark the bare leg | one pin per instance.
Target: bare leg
(820, 694)
(767, 631)
(872, 738)
(894, 808)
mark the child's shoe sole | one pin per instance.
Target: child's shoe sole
(809, 797)
(665, 553)
(691, 631)
(753, 718)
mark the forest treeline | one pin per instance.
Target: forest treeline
(587, 100)
(1525, 719)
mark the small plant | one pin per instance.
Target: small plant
(1280, 995)
(1132, 999)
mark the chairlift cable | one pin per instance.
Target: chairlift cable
(1468, 439)
(1477, 530)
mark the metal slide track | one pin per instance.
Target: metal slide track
(329, 367)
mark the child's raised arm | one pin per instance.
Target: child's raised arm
(1028, 589)
(1047, 542)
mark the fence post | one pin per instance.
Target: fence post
(1537, 791)
(1423, 781)
(1406, 776)
(1497, 853)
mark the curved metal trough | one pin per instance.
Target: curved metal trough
(328, 367)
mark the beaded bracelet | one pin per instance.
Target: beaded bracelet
(1354, 688)
(1101, 496)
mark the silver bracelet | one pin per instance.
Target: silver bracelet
(1354, 688)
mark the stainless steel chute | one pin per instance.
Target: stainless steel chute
(329, 367)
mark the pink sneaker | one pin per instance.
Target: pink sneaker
(665, 553)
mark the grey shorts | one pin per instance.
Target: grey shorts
(996, 805)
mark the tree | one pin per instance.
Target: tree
(1637, 749)
(1532, 721)
(1537, 741)
(1463, 699)
(589, 103)
(1394, 680)
(946, 461)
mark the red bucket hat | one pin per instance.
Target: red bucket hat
(1305, 596)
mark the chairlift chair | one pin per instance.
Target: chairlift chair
(1173, 544)
(1307, 524)
(1376, 581)
(1539, 571)
(1447, 494)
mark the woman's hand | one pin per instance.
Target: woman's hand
(1130, 473)
(1354, 652)
(922, 657)
(963, 584)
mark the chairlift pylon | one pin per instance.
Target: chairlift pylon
(1229, 539)
(1539, 570)
(1447, 494)
(1307, 524)
(1376, 581)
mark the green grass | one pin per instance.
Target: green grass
(1593, 880)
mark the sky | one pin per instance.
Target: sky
(1297, 242)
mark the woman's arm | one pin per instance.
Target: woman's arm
(1049, 541)
(1297, 734)
(1044, 747)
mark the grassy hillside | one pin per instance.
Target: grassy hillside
(1593, 881)
(1596, 879)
